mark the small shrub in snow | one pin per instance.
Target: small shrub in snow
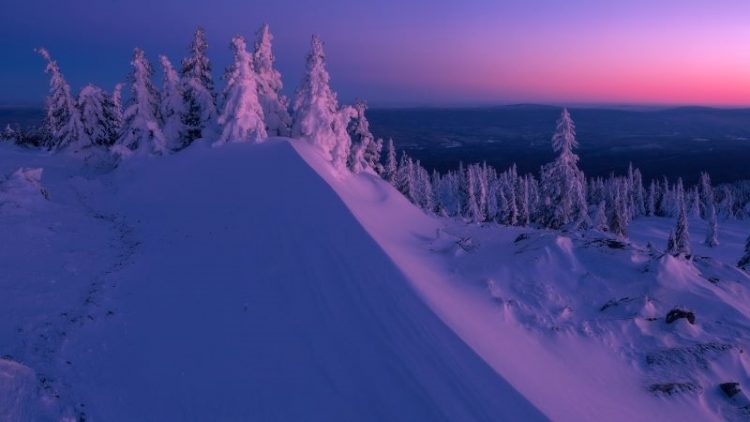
(677, 313)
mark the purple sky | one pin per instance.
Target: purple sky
(411, 52)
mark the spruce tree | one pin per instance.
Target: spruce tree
(198, 91)
(140, 131)
(172, 105)
(62, 120)
(317, 117)
(681, 245)
(391, 164)
(242, 117)
(563, 184)
(712, 237)
(97, 116)
(274, 103)
(744, 262)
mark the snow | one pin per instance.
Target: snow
(260, 282)
(234, 304)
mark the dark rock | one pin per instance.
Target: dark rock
(522, 236)
(731, 389)
(670, 388)
(713, 280)
(677, 313)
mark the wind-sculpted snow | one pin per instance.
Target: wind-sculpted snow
(577, 322)
(254, 294)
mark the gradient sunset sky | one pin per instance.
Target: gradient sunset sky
(410, 52)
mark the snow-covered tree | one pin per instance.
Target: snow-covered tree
(62, 121)
(317, 117)
(712, 236)
(600, 218)
(275, 105)
(140, 131)
(563, 184)
(117, 112)
(98, 116)
(242, 117)
(172, 106)
(366, 151)
(679, 244)
(744, 262)
(198, 90)
(391, 164)
(9, 134)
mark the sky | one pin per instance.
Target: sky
(409, 52)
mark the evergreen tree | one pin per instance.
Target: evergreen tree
(274, 103)
(62, 121)
(117, 113)
(600, 218)
(97, 116)
(242, 117)
(364, 144)
(140, 131)
(681, 243)
(172, 106)
(317, 116)
(198, 91)
(744, 262)
(563, 184)
(712, 238)
(391, 165)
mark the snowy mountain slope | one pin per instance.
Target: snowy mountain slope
(241, 289)
(576, 325)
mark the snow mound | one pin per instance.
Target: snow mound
(22, 190)
(18, 400)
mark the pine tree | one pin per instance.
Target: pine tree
(62, 120)
(140, 131)
(172, 106)
(275, 105)
(744, 262)
(242, 117)
(117, 113)
(712, 238)
(391, 165)
(97, 116)
(706, 193)
(317, 117)
(198, 90)
(681, 242)
(364, 144)
(600, 218)
(563, 184)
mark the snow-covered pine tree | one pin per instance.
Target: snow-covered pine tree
(563, 184)
(706, 194)
(744, 262)
(242, 117)
(97, 116)
(172, 105)
(600, 218)
(117, 113)
(140, 131)
(651, 201)
(9, 134)
(198, 90)
(681, 245)
(317, 117)
(712, 236)
(275, 105)
(359, 131)
(62, 121)
(391, 164)
(618, 219)
(363, 142)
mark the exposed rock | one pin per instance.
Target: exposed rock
(731, 389)
(670, 388)
(677, 313)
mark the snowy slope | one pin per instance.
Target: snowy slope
(254, 282)
(535, 307)
(239, 287)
